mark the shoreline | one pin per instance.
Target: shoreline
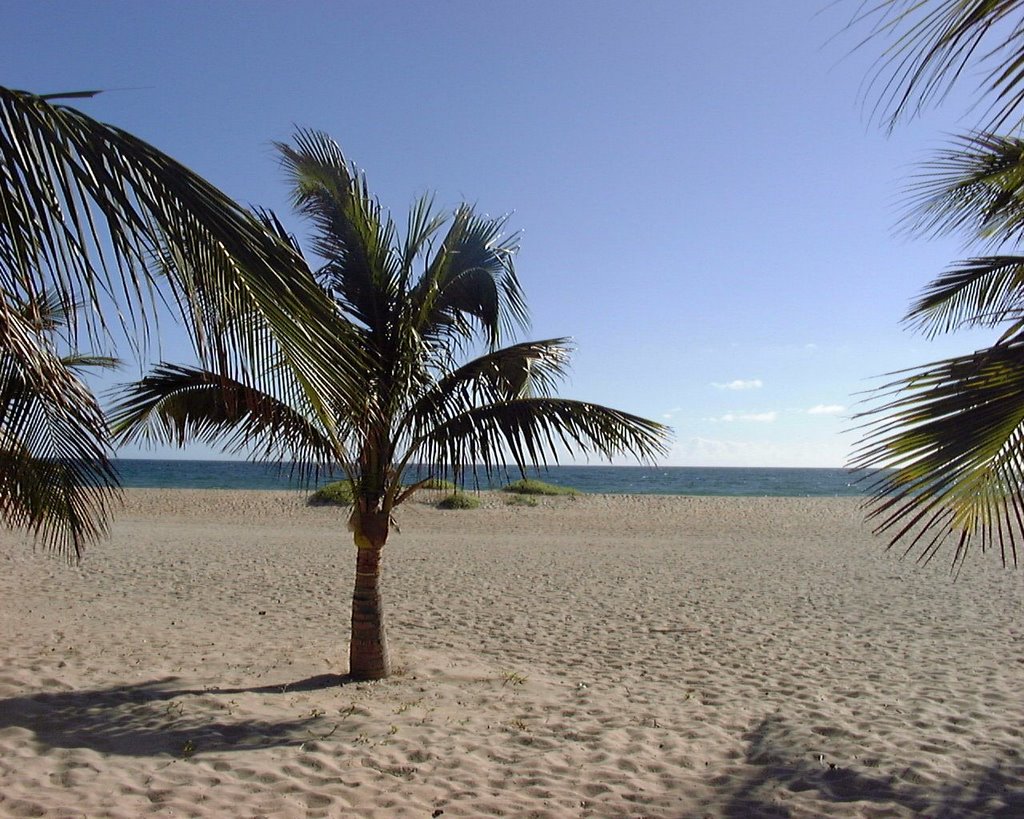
(604, 656)
(590, 478)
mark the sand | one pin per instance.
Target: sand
(600, 657)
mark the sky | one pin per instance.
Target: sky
(706, 205)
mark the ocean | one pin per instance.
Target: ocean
(616, 480)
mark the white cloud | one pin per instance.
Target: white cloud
(826, 409)
(759, 417)
(739, 384)
(716, 452)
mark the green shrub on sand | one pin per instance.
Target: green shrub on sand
(522, 500)
(528, 486)
(338, 493)
(459, 500)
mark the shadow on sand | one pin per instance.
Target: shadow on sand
(991, 791)
(151, 718)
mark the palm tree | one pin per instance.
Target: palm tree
(417, 305)
(96, 217)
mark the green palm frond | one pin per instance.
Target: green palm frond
(946, 449)
(48, 317)
(423, 224)
(528, 369)
(975, 186)
(534, 432)
(65, 503)
(981, 292)
(351, 231)
(86, 361)
(174, 405)
(46, 313)
(936, 42)
(273, 225)
(471, 283)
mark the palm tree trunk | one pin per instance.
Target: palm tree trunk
(368, 648)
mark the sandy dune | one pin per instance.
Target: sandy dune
(604, 657)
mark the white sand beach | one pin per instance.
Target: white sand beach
(610, 656)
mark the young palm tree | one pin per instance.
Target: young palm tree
(416, 306)
(97, 218)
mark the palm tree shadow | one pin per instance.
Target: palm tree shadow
(994, 791)
(154, 717)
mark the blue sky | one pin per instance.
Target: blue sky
(705, 204)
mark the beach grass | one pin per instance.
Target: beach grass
(522, 500)
(529, 486)
(338, 493)
(459, 500)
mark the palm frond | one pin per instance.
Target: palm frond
(533, 432)
(422, 225)
(945, 448)
(976, 186)
(981, 292)
(175, 404)
(45, 313)
(352, 232)
(65, 504)
(273, 225)
(936, 42)
(471, 283)
(524, 370)
(86, 361)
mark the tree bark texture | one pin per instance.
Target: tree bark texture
(368, 648)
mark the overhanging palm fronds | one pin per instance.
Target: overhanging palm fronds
(946, 446)
(982, 292)
(94, 217)
(935, 42)
(92, 213)
(946, 441)
(974, 186)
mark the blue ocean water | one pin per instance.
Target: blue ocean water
(618, 480)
